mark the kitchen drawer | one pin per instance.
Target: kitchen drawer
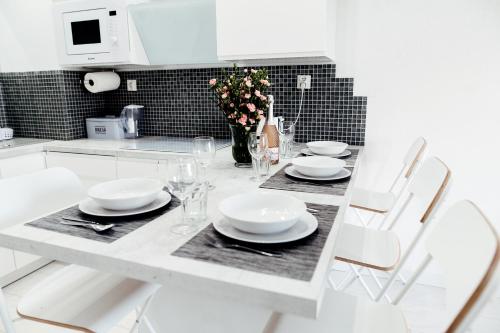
(91, 169)
(20, 165)
(134, 167)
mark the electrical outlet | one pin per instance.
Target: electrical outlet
(132, 85)
(304, 80)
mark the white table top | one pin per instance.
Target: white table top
(145, 253)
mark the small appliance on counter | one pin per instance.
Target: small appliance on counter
(109, 128)
(6, 133)
(130, 117)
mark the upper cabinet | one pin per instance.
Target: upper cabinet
(277, 29)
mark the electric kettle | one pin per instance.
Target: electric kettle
(130, 117)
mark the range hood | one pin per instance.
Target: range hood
(177, 32)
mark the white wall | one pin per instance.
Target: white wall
(429, 68)
(26, 36)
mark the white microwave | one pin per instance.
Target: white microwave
(96, 33)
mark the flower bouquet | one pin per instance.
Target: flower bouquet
(241, 96)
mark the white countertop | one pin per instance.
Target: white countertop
(145, 253)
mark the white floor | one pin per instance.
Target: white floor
(423, 307)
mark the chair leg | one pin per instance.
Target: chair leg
(379, 284)
(141, 317)
(4, 314)
(362, 281)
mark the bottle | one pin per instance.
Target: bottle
(272, 134)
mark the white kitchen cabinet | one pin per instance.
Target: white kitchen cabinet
(19, 165)
(134, 167)
(92, 169)
(262, 29)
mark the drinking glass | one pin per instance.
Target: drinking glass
(181, 181)
(204, 153)
(286, 137)
(257, 146)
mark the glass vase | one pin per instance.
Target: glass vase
(239, 135)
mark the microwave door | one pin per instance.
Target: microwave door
(85, 32)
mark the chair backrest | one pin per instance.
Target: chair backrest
(428, 185)
(414, 155)
(26, 197)
(467, 248)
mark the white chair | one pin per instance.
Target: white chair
(74, 297)
(380, 249)
(382, 202)
(462, 240)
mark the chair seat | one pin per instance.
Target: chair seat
(379, 202)
(84, 299)
(377, 249)
(345, 313)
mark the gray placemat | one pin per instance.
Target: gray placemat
(281, 181)
(349, 160)
(123, 225)
(299, 258)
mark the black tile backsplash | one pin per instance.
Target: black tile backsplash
(3, 115)
(49, 104)
(178, 103)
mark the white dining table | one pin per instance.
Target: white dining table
(145, 253)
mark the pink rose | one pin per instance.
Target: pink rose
(265, 82)
(263, 98)
(231, 105)
(247, 96)
(260, 112)
(249, 83)
(224, 95)
(257, 93)
(212, 82)
(243, 119)
(251, 107)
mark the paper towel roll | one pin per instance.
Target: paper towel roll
(101, 81)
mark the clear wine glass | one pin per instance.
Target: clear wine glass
(287, 135)
(257, 146)
(204, 153)
(182, 178)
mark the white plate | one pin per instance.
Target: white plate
(308, 152)
(344, 173)
(305, 226)
(262, 213)
(89, 206)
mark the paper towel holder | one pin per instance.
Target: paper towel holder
(82, 80)
(82, 76)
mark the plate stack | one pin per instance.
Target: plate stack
(265, 218)
(125, 197)
(322, 164)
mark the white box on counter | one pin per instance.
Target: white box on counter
(104, 128)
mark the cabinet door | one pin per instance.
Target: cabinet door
(92, 169)
(132, 167)
(262, 29)
(7, 261)
(19, 165)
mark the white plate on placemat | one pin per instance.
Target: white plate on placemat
(89, 206)
(344, 173)
(308, 152)
(305, 226)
